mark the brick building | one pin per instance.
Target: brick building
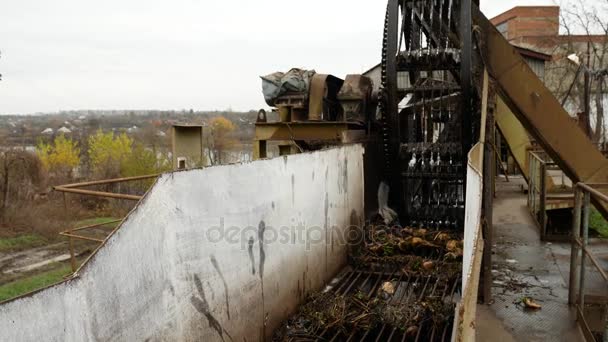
(539, 26)
(522, 23)
(537, 29)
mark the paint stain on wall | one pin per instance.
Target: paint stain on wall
(345, 176)
(326, 226)
(201, 305)
(293, 188)
(250, 250)
(261, 230)
(219, 272)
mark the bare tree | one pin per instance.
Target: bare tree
(20, 170)
(586, 34)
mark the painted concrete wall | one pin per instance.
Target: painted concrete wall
(464, 319)
(472, 219)
(169, 273)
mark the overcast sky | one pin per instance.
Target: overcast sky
(181, 54)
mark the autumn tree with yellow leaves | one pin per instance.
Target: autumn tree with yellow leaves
(60, 157)
(108, 153)
(220, 139)
(113, 156)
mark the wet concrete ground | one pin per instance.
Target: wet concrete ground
(524, 266)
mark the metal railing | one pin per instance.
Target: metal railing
(70, 234)
(77, 188)
(537, 190)
(548, 189)
(584, 261)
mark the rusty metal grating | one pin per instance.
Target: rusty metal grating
(408, 289)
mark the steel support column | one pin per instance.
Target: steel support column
(466, 65)
(575, 258)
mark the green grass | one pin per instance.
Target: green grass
(22, 242)
(598, 223)
(34, 282)
(96, 220)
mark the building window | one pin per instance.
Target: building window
(503, 29)
(181, 163)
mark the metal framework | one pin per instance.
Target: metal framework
(408, 289)
(580, 253)
(76, 188)
(427, 128)
(546, 194)
(530, 100)
(300, 132)
(71, 235)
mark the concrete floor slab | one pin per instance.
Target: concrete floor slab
(524, 266)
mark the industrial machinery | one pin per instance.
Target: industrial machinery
(315, 111)
(427, 111)
(429, 120)
(445, 74)
(439, 87)
(427, 115)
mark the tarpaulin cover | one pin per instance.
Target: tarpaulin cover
(278, 83)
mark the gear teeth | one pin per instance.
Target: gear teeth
(382, 99)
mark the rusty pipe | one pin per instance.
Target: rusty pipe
(98, 193)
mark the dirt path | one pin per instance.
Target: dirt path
(24, 263)
(17, 265)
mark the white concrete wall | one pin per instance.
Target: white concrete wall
(164, 275)
(465, 314)
(472, 219)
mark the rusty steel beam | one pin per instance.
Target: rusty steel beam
(108, 181)
(487, 138)
(538, 110)
(91, 226)
(81, 237)
(98, 193)
(302, 130)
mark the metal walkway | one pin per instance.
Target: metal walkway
(538, 110)
(524, 266)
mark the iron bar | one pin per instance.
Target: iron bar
(575, 251)
(81, 237)
(344, 282)
(487, 136)
(605, 337)
(581, 296)
(107, 181)
(466, 65)
(72, 256)
(92, 226)
(98, 193)
(352, 283)
(594, 192)
(592, 258)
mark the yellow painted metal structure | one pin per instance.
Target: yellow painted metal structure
(517, 139)
(291, 132)
(515, 135)
(538, 110)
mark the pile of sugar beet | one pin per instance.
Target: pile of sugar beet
(402, 252)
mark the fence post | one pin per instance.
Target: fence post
(605, 338)
(581, 290)
(72, 256)
(542, 212)
(65, 203)
(575, 250)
